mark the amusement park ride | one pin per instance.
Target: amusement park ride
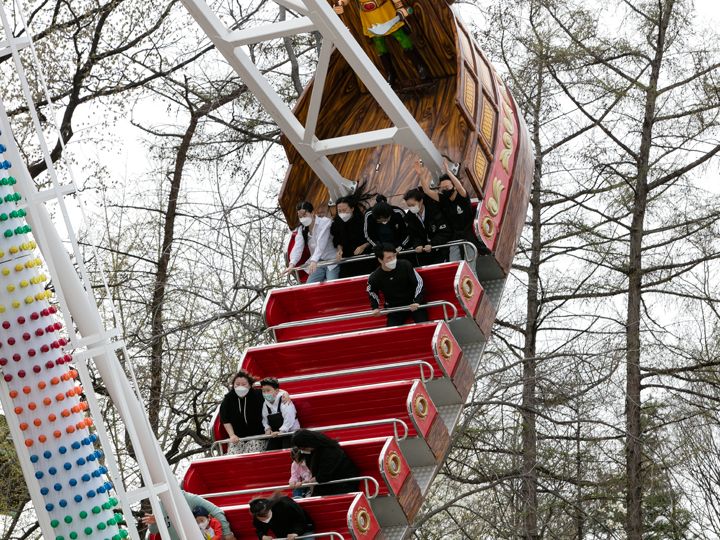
(393, 406)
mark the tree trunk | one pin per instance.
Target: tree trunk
(633, 402)
(529, 430)
(156, 306)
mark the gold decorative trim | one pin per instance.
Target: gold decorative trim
(394, 464)
(508, 124)
(488, 227)
(422, 408)
(467, 287)
(493, 203)
(445, 347)
(480, 165)
(487, 126)
(470, 94)
(362, 520)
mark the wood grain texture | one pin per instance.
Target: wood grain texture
(458, 109)
(438, 439)
(410, 498)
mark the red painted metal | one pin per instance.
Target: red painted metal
(338, 513)
(346, 296)
(356, 350)
(221, 474)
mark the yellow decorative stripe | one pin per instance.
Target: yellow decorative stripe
(480, 166)
(487, 127)
(470, 94)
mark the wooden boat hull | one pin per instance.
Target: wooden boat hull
(466, 110)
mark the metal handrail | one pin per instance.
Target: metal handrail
(381, 367)
(358, 258)
(331, 534)
(362, 314)
(367, 479)
(367, 423)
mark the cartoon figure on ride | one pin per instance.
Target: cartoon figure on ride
(384, 18)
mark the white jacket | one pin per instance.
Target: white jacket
(320, 243)
(290, 421)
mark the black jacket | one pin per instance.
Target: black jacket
(400, 287)
(349, 234)
(458, 214)
(395, 232)
(434, 230)
(332, 463)
(245, 414)
(288, 517)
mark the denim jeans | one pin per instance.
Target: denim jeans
(324, 273)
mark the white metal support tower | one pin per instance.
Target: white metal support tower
(89, 338)
(317, 15)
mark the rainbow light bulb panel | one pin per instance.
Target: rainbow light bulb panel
(41, 383)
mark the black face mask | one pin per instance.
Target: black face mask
(448, 192)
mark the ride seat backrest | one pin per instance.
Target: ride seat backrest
(345, 296)
(250, 471)
(356, 350)
(327, 513)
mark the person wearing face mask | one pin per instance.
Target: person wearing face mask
(280, 516)
(277, 417)
(327, 462)
(456, 206)
(205, 508)
(427, 228)
(385, 224)
(348, 233)
(314, 232)
(400, 284)
(241, 414)
(210, 527)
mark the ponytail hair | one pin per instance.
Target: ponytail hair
(382, 209)
(359, 199)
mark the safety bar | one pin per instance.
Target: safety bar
(362, 314)
(331, 534)
(368, 369)
(336, 427)
(358, 258)
(367, 479)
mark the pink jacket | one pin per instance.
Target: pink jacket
(299, 472)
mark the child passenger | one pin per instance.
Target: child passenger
(299, 474)
(278, 417)
(209, 526)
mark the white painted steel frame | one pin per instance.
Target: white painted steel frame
(78, 306)
(318, 16)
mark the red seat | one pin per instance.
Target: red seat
(432, 343)
(407, 401)
(348, 515)
(379, 458)
(452, 282)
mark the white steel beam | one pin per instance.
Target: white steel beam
(338, 145)
(406, 131)
(271, 31)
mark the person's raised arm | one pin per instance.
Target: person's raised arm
(425, 182)
(456, 182)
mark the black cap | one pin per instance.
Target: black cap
(200, 511)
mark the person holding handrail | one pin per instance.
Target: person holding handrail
(427, 227)
(456, 206)
(314, 232)
(348, 233)
(278, 417)
(327, 462)
(400, 284)
(281, 516)
(195, 502)
(385, 224)
(241, 414)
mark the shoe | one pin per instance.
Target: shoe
(419, 63)
(390, 73)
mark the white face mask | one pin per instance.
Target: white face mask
(414, 209)
(306, 221)
(241, 391)
(267, 518)
(391, 264)
(203, 525)
(345, 216)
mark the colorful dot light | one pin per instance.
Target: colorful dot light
(43, 386)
